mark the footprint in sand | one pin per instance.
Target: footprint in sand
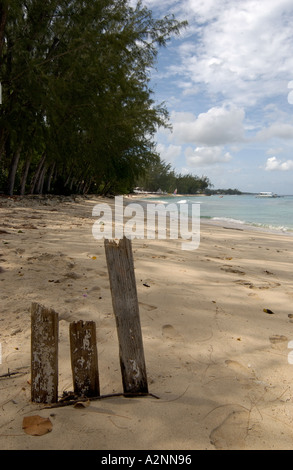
(269, 285)
(279, 341)
(232, 432)
(102, 273)
(148, 307)
(72, 275)
(237, 367)
(230, 269)
(244, 283)
(95, 288)
(263, 285)
(169, 332)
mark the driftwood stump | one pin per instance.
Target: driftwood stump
(84, 358)
(44, 354)
(125, 305)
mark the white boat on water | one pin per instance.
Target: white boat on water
(267, 194)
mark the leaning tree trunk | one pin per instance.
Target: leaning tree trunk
(3, 137)
(87, 186)
(37, 173)
(40, 182)
(3, 20)
(24, 176)
(68, 179)
(71, 183)
(50, 176)
(12, 170)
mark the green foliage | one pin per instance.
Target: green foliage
(78, 112)
(224, 191)
(160, 176)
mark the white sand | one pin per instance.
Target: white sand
(217, 361)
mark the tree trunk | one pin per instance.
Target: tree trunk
(87, 186)
(50, 176)
(12, 170)
(37, 173)
(79, 186)
(3, 137)
(24, 176)
(68, 179)
(3, 19)
(106, 188)
(40, 183)
(71, 183)
(83, 188)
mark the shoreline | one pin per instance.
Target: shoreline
(224, 222)
(217, 361)
(247, 227)
(128, 198)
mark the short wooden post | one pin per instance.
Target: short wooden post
(125, 305)
(44, 354)
(84, 358)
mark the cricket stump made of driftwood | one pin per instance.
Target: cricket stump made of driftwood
(44, 354)
(125, 305)
(84, 358)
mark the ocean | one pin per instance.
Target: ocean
(269, 214)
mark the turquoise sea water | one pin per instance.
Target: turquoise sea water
(273, 214)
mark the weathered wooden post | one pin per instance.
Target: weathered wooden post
(84, 358)
(125, 305)
(44, 354)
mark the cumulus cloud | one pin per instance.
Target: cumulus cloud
(238, 53)
(240, 50)
(279, 130)
(169, 153)
(206, 156)
(273, 164)
(218, 126)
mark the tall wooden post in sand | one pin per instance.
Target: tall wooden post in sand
(44, 354)
(125, 305)
(84, 358)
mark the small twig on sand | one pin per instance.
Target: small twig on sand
(11, 374)
(69, 402)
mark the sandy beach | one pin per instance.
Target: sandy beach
(217, 361)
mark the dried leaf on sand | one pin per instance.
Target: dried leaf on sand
(36, 425)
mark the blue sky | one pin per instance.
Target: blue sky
(227, 82)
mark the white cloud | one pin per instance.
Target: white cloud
(218, 126)
(235, 52)
(240, 50)
(279, 130)
(273, 164)
(206, 156)
(274, 151)
(169, 153)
